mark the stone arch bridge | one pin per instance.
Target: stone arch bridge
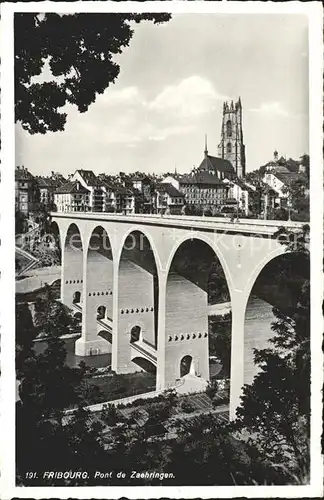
(118, 272)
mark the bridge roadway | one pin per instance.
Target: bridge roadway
(255, 226)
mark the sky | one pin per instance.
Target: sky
(170, 91)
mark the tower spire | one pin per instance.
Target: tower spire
(206, 150)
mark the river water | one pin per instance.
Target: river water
(258, 320)
(257, 332)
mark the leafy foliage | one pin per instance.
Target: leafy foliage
(79, 51)
(51, 317)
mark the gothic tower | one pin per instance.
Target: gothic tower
(231, 146)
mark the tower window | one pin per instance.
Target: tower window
(229, 147)
(229, 128)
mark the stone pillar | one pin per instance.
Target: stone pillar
(160, 370)
(114, 355)
(63, 274)
(90, 342)
(239, 301)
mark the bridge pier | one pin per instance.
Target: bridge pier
(97, 291)
(183, 330)
(160, 369)
(239, 301)
(133, 307)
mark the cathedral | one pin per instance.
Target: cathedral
(231, 147)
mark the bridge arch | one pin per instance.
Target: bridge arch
(56, 233)
(150, 239)
(138, 295)
(208, 241)
(99, 239)
(99, 278)
(72, 263)
(266, 291)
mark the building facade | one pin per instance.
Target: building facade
(26, 191)
(231, 146)
(90, 182)
(204, 189)
(169, 199)
(72, 197)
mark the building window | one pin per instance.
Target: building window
(229, 128)
(229, 147)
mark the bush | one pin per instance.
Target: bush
(187, 406)
(110, 415)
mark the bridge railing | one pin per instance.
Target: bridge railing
(224, 221)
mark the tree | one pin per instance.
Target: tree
(79, 50)
(220, 340)
(20, 222)
(51, 316)
(25, 334)
(304, 161)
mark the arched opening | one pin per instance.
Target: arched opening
(185, 365)
(229, 147)
(101, 312)
(105, 335)
(276, 294)
(135, 334)
(76, 297)
(198, 312)
(99, 280)
(138, 296)
(145, 365)
(73, 265)
(229, 128)
(53, 239)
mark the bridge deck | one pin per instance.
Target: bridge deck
(257, 226)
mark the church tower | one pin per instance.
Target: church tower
(231, 146)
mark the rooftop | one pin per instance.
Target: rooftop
(201, 177)
(22, 174)
(170, 189)
(89, 177)
(214, 163)
(71, 187)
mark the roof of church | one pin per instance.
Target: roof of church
(214, 163)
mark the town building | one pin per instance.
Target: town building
(201, 188)
(72, 197)
(172, 179)
(90, 182)
(240, 192)
(47, 187)
(143, 188)
(109, 197)
(124, 200)
(26, 191)
(231, 146)
(169, 199)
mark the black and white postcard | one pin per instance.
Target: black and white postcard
(162, 197)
